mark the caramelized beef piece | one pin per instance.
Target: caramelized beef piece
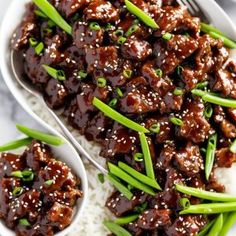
(10, 162)
(83, 36)
(133, 228)
(55, 94)
(154, 218)
(101, 10)
(118, 204)
(136, 49)
(37, 154)
(34, 230)
(70, 7)
(225, 158)
(232, 114)
(60, 215)
(189, 160)
(195, 127)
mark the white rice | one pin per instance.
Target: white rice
(95, 212)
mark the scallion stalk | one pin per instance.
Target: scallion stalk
(116, 229)
(15, 144)
(126, 219)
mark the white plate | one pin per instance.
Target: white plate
(14, 15)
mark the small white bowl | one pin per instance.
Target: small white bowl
(67, 154)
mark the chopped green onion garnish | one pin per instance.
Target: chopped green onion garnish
(27, 175)
(167, 36)
(202, 85)
(137, 175)
(82, 74)
(113, 102)
(53, 14)
(208, 111)
(39, 48)
(126, 219)
(101, 178)
(94, 26)
(47, 138)
(49, 182)
(233, 147)
(210, 155)
(155, 128)
(101, 82)
(17, 174)
(131, 30)
(47, 31)
(33, 42)
(129, 179)
(206, 228)
(51, 24)
(227, 42)
(184, 203)
(116, 229)
(208, 195)
(121, 40)
(17, 191)
(138, 157)
(24, 222)
(146, 19)
(141, 208)
(209, 28)
(15, 144)
(176, 121)
(108, 111)
(119, 92)
(109, 26)
(119, 32)
(179, 70)
(159, 72)
(119, 186)
(40, 14)
(228, 223)
(127, 73)
(61, 75)
(56, 74)
(147, 156)
(210, 208)
(217, 226)
(212, 98)
(178, 92)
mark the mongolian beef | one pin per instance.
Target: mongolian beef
(147, 82)
(37, 192)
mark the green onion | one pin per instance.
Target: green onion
(159, 72)
(119, 186)
(217, 226)
(61, 75)
(210, 155)
(131, 30)
(27, 175)
(116, 229)
(179, 70)
(208, 195)
(53, 14)
(82, 74)
(210, 208)
(121, 40)
(33, 42)
(113, 102)
(137, 175)
(155, 128)
(39, 48)
(130, 187)
(94, 26)
(47, 31)
(101, 82)
(129, 179)
(51, 24)
(24, 222)
(203, 150)
(141, 208)
(17, 174)
(206, 228)
(176, 121)
(146, 19)
(126, 219)
(119, 92)
(212, 98)
(15, 144)
(178, 92)
(119, 32)
(17, 191)
(101, 178)
(127, 73)
(147, 156)
(232, 147)
(109, 26)
(167, 36)
(208, 112)
(47, 138)
(138, 157)
(49, 182)
(56, 74)
(40, 14)
(202, 85)
(209, 28)
(184, 203)
(228, 223)
(108, 111)
(227, 42)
